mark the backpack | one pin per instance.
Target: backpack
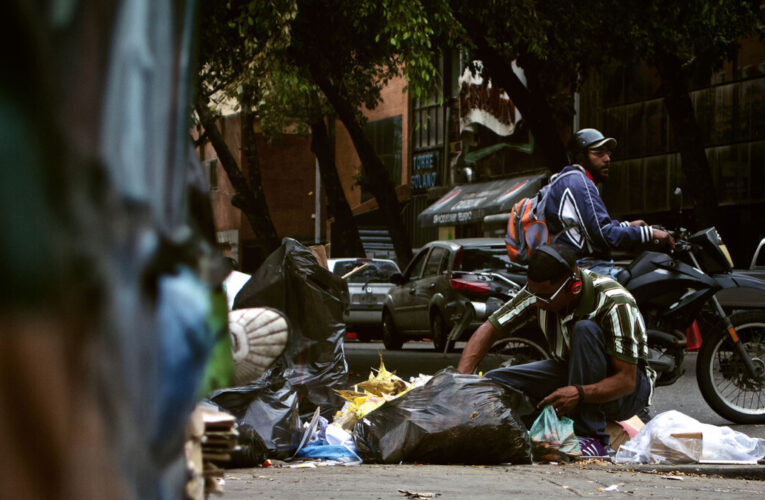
(527, 229)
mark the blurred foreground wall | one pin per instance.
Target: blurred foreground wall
(107, 268)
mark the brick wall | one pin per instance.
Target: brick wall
(395, 102)
(288, 175)
(288, 170)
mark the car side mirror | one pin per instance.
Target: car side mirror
(397, 279)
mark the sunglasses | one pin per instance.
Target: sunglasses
(547, 300)
(600, 153)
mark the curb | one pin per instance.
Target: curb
(753, 472)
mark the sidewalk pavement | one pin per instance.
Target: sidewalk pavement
(384, 482)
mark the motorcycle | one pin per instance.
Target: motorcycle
(675, 290)
(672, 291)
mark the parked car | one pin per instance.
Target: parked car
(445, 280)
(368, 284)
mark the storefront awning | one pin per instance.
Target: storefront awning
(470, 203)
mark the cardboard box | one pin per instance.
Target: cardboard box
(679, 447)
(621, 432)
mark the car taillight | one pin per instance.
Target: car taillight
(469, 286)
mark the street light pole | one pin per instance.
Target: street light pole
(317, 207)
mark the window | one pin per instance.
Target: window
(375, 272)
(476, 259)
(210, 168)
(386, 138)
(435, 261)
(414, 270)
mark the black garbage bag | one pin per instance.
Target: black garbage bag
(454, 418)
(313, 299)
(267, 420)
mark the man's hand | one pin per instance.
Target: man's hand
(563, 400)
(638, 222)
(663, 239)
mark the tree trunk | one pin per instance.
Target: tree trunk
(380, 183)
(265, 229)
(251, 204)
(530, 101)
(345, 234)
(693, 158)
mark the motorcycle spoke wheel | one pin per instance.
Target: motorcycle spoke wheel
(723, 379)
(515, 351)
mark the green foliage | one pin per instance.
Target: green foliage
(559, 42)
(700, 33)
(260, 51)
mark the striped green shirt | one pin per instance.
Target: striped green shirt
(603, 301)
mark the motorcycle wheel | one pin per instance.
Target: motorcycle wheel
(518, 350)
(722, 376)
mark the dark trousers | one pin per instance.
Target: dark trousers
(588, 364)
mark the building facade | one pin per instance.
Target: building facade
(429, 151)
(624, 103)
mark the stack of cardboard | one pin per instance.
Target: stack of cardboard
(211, 437)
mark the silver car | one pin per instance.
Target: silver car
(368, 284)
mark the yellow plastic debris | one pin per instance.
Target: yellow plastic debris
(370, 395)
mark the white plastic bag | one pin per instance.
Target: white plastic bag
(673, 437)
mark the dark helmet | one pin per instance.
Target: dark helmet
(589, 138)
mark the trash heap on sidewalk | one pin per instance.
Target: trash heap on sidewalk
(675, 438)
(301, 411)
(453, 418)
(287, 319)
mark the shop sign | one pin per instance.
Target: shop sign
(425, 172)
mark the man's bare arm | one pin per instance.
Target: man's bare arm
(477, 347)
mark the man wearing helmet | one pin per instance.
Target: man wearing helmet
(575, 213)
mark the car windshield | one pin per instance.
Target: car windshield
(375, 272)
(477, 258)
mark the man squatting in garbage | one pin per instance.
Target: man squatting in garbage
(597, 342)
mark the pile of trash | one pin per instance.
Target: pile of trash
(452, 419)
(291, 309)
(675, 438)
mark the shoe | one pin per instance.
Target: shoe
(645, 415)
(593, 448)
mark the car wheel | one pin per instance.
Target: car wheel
(439, 332)
(391, 338)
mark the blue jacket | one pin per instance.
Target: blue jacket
(576, 216)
